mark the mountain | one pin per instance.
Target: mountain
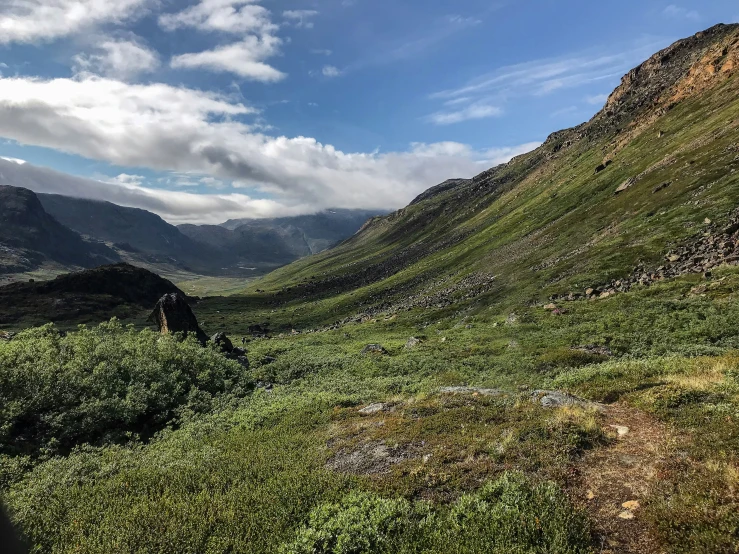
(320, 231)
(143, 237)
(96, 294)
(598, 204)
(29, 235)
(142, 234)
(280, 240)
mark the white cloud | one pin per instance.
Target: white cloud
(678, 12)
(124, 59)
(227, 16)
(200, 134)
(464, 21)
(300, 18)
(486, 94)
(245, 58)
(174, 206)
(543, 76)
(125, 179)
(568, 110)
(31, 21)
(17, 161)
(330, 71)
(597, 100)
(474, 111)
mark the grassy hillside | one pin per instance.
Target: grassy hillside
(547, 223)
(446, 381)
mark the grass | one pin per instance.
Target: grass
(250, 474)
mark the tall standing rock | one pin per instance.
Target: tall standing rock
(172, 314)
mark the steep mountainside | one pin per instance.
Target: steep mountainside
(29, 236)
(138, 232)
(580, 212)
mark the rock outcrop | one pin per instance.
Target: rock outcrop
(172, 314)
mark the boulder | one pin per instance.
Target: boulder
(373, 349)
(626, 184)
(373, 409)
(172, 314)
(412, 343)
(223, 342)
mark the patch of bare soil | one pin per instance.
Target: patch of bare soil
(615, 480)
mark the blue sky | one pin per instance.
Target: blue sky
(208, 109)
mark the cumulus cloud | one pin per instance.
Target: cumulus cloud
(227, 16)
(123, 59)
(330, 71)
(203, 134)
(30, 21)
(245, 58)
(300, 18)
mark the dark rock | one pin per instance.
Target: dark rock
(374, 349)
(594, 349)
(223, 342)
(268, 360)
(661, 187)
(172, 314)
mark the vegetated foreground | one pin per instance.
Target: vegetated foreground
(525, 362)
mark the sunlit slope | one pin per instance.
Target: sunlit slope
(551, 221)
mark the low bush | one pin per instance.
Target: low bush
(509, 515)
(103, 385)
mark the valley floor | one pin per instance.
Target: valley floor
(340, 451)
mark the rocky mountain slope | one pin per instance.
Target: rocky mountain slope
(30, 235)
(646, 175)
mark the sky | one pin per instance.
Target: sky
(206, 110)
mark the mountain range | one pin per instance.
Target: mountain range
(70, 232)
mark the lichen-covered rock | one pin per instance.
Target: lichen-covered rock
(376, 349)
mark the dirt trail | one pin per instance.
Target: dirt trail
(615, 480)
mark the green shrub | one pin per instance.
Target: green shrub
(507, 516)
(361, 523)
(103, 385)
